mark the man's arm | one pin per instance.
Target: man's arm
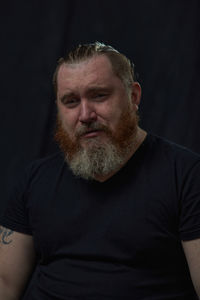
(192, 253)
(17, 260)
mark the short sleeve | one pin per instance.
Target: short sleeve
(16, 216)
(189, 225)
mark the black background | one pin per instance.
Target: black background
(162, 37)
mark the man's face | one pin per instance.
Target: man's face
(89, 92)
(94, 107)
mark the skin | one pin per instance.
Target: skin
(88, 92)
(5, 236)
(17, 261)
(192, 253)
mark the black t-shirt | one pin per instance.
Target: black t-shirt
(120, 239)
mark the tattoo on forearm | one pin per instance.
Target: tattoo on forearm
(5, 235)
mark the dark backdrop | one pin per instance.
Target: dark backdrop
(162, 37)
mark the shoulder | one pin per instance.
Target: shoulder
(171, 151)
(175, 162)
(45, 167)
(46, 164)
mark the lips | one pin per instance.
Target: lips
(91, 133)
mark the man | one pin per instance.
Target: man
(117, 214)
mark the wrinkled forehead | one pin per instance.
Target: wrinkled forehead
(96, 69)
(97, 63)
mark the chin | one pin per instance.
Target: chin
(97, 140)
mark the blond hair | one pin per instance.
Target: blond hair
(121, 65)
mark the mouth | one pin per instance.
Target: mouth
(91, 133)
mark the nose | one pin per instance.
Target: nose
(87, 112)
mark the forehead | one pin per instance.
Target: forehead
(96, 70)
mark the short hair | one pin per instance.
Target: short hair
(121, 65)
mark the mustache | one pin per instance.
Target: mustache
(96, 126)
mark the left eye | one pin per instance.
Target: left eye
(100, 96)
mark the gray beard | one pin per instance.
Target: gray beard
(97, 159)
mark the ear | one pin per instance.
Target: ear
(136, 95)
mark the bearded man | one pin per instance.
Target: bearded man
(116, 213)
(97, 124)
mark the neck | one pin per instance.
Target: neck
(139, 138)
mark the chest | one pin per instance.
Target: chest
(129, 222)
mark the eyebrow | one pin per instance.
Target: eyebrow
(67, 95)
(90, 90)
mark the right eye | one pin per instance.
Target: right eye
(70, 103)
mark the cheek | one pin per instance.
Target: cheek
(113, 119)
(68, 119)
(109, 114)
